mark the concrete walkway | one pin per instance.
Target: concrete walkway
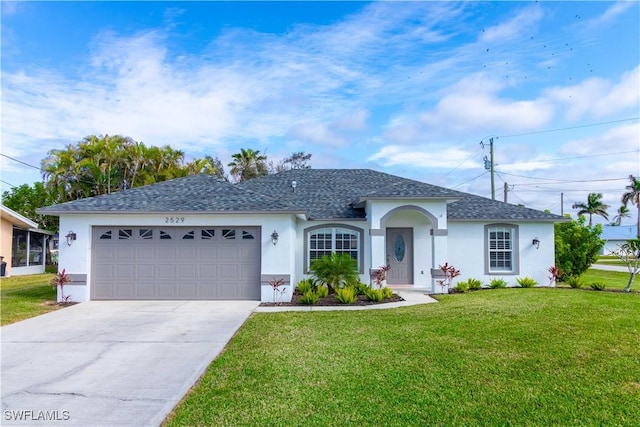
(111, 363)
(606, 267)
(411, 297)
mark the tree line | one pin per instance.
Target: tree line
(99, 165)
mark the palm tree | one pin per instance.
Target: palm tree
(633, 195)
(248, 164)
(594, 206)
(623, 212)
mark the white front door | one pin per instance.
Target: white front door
(400, 256)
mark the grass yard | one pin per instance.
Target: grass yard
(610, 260)
(508, 357)
(22, 297)
(613, 279)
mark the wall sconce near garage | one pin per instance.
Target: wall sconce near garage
(274, 237)
(536, 242)
(71, 237)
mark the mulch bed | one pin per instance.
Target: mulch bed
(331, 301)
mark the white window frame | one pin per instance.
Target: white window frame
(334, 229)
(499, 245)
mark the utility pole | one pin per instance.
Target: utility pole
(488, 164)
(562, 204)
(506, 190)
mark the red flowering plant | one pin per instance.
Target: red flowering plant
(381, 275)
(555, 273)
(60, 280)
(278, 289)
(450, 273)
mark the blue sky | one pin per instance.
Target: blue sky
(408, 88)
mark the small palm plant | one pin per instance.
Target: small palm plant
(335, 270)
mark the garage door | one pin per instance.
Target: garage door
(169, 263)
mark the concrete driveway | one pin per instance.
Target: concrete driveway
(111, 363)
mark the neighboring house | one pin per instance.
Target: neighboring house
(200, 237)
(22, 245)
(616, 235)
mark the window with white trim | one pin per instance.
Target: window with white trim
(501, 249)
(323, 241)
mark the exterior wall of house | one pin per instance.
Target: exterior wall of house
(300, 251)
(6, 235)
(429, 222)
(276, 260)
(467, 252)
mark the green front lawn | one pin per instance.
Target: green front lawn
(508, 357)
(613, 279)
(22, 297)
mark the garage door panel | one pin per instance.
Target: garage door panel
(125, 271)
(145, 253)
(159, 263)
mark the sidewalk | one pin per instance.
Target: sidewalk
(411, 297)
(606, 267)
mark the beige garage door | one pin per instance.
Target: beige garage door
(175, 263)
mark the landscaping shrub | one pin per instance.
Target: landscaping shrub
(374, 294)
(346, 295)
(498, 283)
(526, 282)
(387, 293)
(577, 246)
(360, 287)
(474, 284)
(322, 291)
(597, 286)
(305, 285)
(335, 270)
(574, 282)
(309, 297)
(461, 287)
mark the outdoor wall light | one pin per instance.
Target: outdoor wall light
(71, 236)
(536, 242)
(274, 237)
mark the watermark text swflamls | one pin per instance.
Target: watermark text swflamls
(33, 415)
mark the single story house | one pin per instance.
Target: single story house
(22, 245)
(616, 235)
(201, 237)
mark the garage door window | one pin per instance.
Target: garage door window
(208, 234)
(146, 234)
(125, 234)
(189, 235)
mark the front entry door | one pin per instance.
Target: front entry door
(400, 256)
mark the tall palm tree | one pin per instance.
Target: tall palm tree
(623, 212)
(633, 195)
(248, 164)
(594, 206)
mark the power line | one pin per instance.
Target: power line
(571, 158)
(560, 181)
(8, 183)
(472, 179)
(568, 128)
(19, 161)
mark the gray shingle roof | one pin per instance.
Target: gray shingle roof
(320, 193)
(195, 193)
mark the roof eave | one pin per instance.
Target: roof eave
(172, 212)
(552, 220)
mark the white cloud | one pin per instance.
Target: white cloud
(521, 23)
(473, 106)
(424, 157)
(609, 15)
(598, 97)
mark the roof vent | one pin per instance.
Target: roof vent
(294, 185)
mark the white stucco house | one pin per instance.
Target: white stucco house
(615, 236)
(200, 237)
